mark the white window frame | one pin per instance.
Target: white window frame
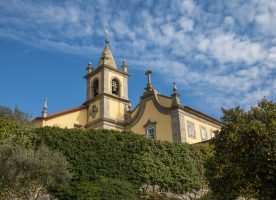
(203, 133)
(151, 132)
(150, 129)
(191, 130)
(213, 134)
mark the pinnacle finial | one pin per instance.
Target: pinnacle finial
(175, 96)
(89, 67)
(148, 73)
(124, 66)
(106, 35)
(174, 88)
(45, 108)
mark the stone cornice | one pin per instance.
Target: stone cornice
(101, 95)
(100, 120)
(200, 115)
(62, 113)
(98, 70)
(167, 110)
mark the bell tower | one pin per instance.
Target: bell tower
(107, 92)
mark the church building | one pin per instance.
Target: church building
(107, 106)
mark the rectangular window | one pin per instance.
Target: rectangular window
(213, 134)
(191, 129)
(203, 133)
(151, 132)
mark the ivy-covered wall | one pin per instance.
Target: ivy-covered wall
(123, 156)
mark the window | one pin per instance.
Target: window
(151, 133)
(213, 134)
(191, 130)
(150, 129)
(203, 133)
(115, 87)
(95, 87)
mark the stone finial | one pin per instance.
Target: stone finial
(89, 68)
(45, 109)
(174, 88)
(148, 73)
(175, 96)
(129, 104)
(124, 66)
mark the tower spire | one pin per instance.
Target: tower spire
(45, 109)
(107, 57)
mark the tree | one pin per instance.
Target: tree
(244, 158)
(26, 173)
(16, 115)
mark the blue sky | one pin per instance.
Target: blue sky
(220, 53)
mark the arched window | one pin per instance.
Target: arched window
(115, 87)
(95, 87)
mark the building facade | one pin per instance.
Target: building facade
(107, 106)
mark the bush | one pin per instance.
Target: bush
(124, 156)
(26, 173)
(106, 189)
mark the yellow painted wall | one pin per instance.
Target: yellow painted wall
(163, 125)
(166, 102)
(197, 124)
(68, 120)
(116, 109)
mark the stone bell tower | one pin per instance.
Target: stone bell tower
(107, 92)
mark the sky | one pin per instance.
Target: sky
(219, 53)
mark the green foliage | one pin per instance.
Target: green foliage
(201, 154)
(106, 189)
(8, 128)
(25, 173)
(168, 166)
(125, 156)
(125, 160)
(244, 159)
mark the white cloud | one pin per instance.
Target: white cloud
(227, 51)
(227, 47)
(186, 24)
